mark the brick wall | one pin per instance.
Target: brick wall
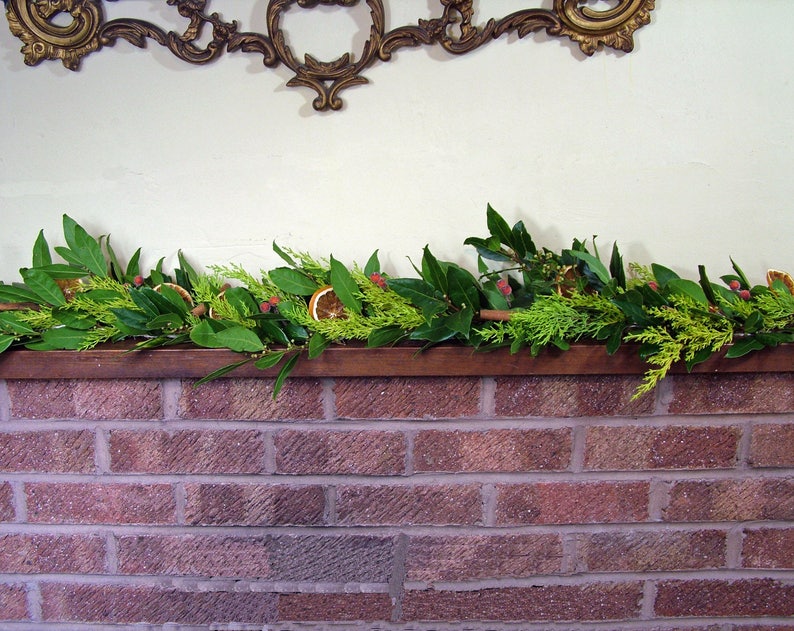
(398, 503)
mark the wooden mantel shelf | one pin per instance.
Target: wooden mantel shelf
(117, 361)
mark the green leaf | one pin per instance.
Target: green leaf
(41, 251)
(165, 321)
(10, 323)
(373, 265)
(291, 281)
(74, 320)
(43, 286)
(743, 346)
(706, 285)
(663, 275)
(420, 294)
(595, 266)
(115, 267)
(6, 341)
(187, 270)
(433, 332)
(64, 338)
(269, 360)
(498, 227)
(754, 322)
(488, 249)
(175, 300)
(616, 267)
(385, 336)
(204, 334)
(687, 287)
(135, 322)
(70, 257)
(432, 272)
(61, 271)
(240, 339)
(496, 299)
(133, 266)
(242, 301)
(284, 256)
(521, 241)
(215, 374)
(462, 288)
(284, 373)
(317, 344)
(84, 247)
(460, 322)
(143, 300)
(699, 357)
(268, 329)
(742, 278)
(15, 293)
(345, 287)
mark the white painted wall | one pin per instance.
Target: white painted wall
(680, 151)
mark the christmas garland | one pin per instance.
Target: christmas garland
(523, 296)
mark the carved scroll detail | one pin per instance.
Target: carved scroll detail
(44, 37)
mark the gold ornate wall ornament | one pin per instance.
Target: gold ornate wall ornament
(71, 29)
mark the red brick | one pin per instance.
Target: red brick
(562, 396)
(571, 503)
(769, 548)
(332, 558)
(252, 399)
(365, 452)
(492, 450)
(86, 399)
(13, 603)
(772, 446)
(49, 554)
(188, 555)
(420, 397)
(6, 502)
(597, 601)
(733, 393)
(187, 451)
(254, 505)
(652, 551)
(705, 598)
(334, 607)
(304, 558)
(467, 558)
(62, 451)
(131, 604)
(731, 500)
(409, 505)
(672, 447)
(100, 503)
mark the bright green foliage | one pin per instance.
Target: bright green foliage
(545, 298)
(685, 332)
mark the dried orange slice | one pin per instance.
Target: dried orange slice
(324, 303)
(773, 275)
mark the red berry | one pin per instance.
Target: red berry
(653, 285)
(376, 278)
(504, 287)
(744, 294)
(274, 300)
(264, 307)
(734, 285)
(138, 280)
